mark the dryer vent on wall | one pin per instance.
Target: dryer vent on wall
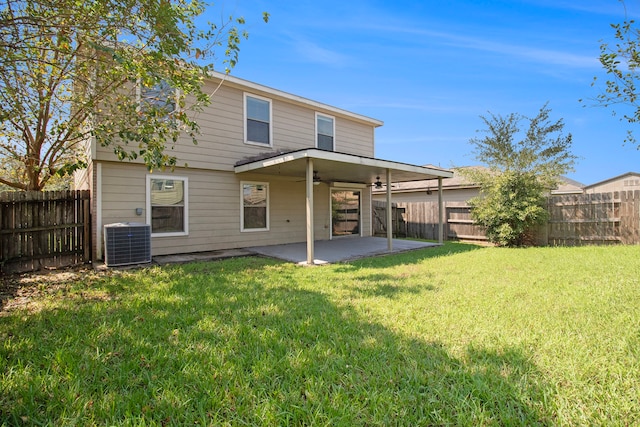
(127, 243)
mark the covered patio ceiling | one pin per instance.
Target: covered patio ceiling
(338, 167)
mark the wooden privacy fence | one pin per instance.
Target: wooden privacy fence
(576, 219)
(460, 225)
(420, 220)
(601, 218)
(44, 229)
(399, 226)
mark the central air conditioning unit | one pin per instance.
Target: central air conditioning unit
(127, 243)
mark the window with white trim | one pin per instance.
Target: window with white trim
(254, 212)
(161, 97)
(325, 131)
(167, 205)
(257, 123)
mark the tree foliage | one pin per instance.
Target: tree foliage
(523, 165)
(621, 62)
(73, 70)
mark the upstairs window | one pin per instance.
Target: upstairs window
(160, 97)
(257, 120)
(325, 131)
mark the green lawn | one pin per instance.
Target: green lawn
(456, 335)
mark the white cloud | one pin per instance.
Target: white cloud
(313, 52)
(519, 51)
(533, 54)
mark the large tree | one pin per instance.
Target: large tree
(523, 165)
(67, 63)
(621, 62)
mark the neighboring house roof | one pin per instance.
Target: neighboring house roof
(566, 185)
(615, 178)
(456, 182)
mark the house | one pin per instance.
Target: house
(270, 168)
(568, 186)
(626, 182)
(457, 190)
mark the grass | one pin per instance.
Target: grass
(457, 335)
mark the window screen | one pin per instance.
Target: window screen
(258, 120)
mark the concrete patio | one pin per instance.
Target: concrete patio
(337, 250)
(326, 251)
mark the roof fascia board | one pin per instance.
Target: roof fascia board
(342, 158)
(376, 163)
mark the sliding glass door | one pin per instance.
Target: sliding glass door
(345, 213)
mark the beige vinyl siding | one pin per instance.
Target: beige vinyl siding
(221, 140)
(627, 182)
(288, 212)
(123, 190)
(293, 127)
(82, 177)
(354, 138)
(604, 188)
(214, 208)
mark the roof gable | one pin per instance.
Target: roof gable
(246, 85)
(615, 178)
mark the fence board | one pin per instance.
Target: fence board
(461, 225)
(44, 229)
(601, 218)
(421, 220)
(379, 218)
(574, 219)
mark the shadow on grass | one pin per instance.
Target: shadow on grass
(214, 343)
(384, 285)
(415, 256)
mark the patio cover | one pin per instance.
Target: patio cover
(341, 167)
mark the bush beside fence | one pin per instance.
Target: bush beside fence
(575, 219)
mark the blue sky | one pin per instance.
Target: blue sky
(430, 69)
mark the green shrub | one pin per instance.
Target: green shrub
(510, 204)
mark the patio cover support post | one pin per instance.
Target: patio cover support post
(389, 214)
(440, 212)
(310, 236)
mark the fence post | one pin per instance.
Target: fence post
(86, 227)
